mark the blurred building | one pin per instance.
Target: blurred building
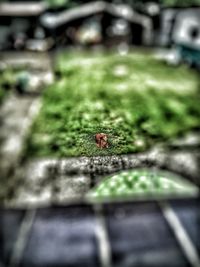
(180, 25)
(99, 23)
(19, 22)
(35, 26)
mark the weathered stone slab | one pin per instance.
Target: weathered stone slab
(44, 181)
(71, 188)
(34, 185)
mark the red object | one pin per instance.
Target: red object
(101, 140)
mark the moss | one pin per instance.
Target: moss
(135, 99)
(142, 183)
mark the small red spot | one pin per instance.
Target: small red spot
(101, 140)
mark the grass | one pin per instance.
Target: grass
(135, 99)
(139, 182)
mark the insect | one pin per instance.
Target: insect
(101, 140)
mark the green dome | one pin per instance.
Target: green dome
(143, 183)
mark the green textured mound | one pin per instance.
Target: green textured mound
(142, 183)
(135, 99)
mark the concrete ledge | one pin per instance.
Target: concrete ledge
(50, 181)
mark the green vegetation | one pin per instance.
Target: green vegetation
(6, 82)
(182, 3)
(135, 99)
(142, 183)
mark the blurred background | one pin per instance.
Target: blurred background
(99, 133)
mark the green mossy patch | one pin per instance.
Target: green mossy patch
(142, 183)
(135, 99)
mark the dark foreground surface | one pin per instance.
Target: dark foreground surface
(115, 234)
